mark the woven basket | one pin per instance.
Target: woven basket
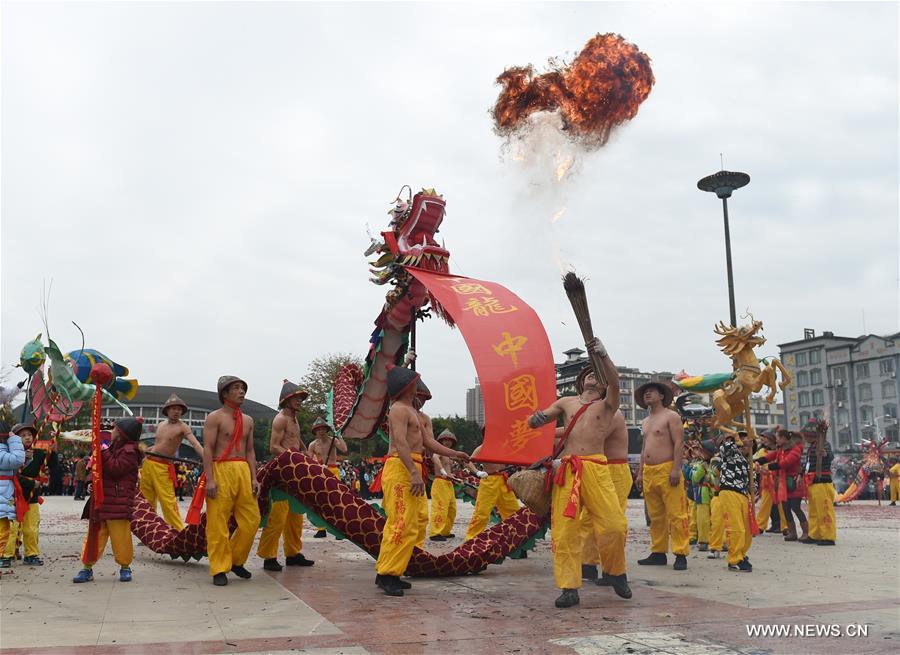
(529, 487)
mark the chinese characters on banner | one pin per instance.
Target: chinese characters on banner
(512, 357)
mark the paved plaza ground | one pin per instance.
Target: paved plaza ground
(334, 606)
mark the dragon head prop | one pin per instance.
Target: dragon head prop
(32, 356)
(736, 339)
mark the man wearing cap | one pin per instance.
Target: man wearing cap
(819, 489)
(660, 476)
(280, 520)
(12, 456)
(30, 480)
(582, 481)
(493, 493)
(158, 476)
(111, 521)
(324, 449)
(403, 480)
(443, 494)
(229, 467)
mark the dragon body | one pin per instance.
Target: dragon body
(357, 408)
(872, 464)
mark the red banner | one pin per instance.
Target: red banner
(513, 359)
(97, 470)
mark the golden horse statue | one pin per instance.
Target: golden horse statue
(750, 376)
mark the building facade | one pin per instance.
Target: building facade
(850, 381)
(629, 380)
(764, 415)
(475, 404)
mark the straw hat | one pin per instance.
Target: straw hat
(446, 434)
(659, 386)
(399, 380)
(320, 424)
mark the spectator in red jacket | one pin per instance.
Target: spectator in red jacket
(789, 487)
(111, 520)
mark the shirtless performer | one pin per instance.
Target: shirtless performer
(660, 476)
(158, 473)
(403, 480)
(616, 450)
(443, 493)
(583, 482)
(229, 468)
(493, 491)
(423, 395)
(325, 447)
(285, 436)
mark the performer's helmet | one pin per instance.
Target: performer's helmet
(659, 386)
(18, 427)
(289, 390)
(174, 401)
(446, 435)
(422, 391)
(709, 446)
(320, 424)
(226, 381)
(400, 380)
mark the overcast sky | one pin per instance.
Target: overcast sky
(197, 178)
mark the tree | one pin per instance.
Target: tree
(262, 430)
(320, 376)
(468, 433)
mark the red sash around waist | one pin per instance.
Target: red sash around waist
(21, 503)
(576, 463)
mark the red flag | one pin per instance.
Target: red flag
(97, 470)
(512, 357)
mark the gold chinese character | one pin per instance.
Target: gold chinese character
(520, 435)
(468, 288)
(510, 345)
(487, 305)
(520, 392)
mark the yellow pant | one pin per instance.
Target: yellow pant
(667, 507)
(29, 527)
(692, 519)
(736, 519)
(598, 497)
(895, 490)
(157, 486)
(404, 513)
(765, 511)
(4, 533)
(281, 521)
(821, 511)
(703, 522)
(234, 496)
(492, 492)
(622, 481)
(443, 507)
(716, 524)
(119, 532)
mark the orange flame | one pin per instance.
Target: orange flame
(602, 88)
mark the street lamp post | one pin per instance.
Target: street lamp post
(723, 184)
